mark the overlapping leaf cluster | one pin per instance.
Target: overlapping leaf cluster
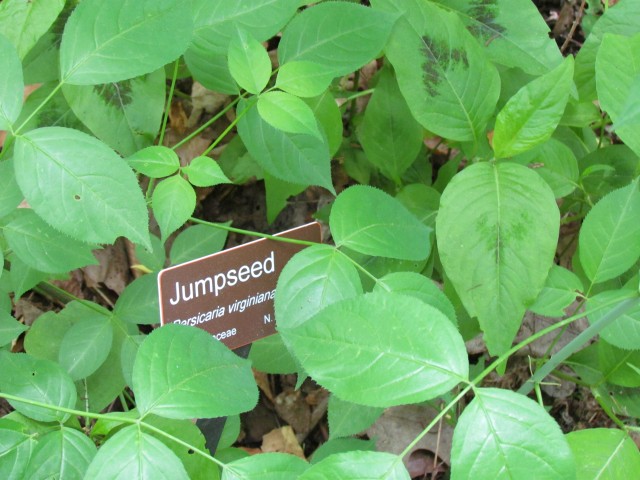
(528, 134)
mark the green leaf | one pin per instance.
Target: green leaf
(175, 368)
(270, 355)
(217, 22)
(533, 113)
(156, 161)
(131, 39)
(390, 136)
(313, 279)
(277, 194)
(131, 453)
(11, 84)
(328, 114)
(10, 328)
(346, 418)
(85, 346)
(16, 447)
(44, 248)
(23, 23)
(128, 354)
(497, 232)
(23, 277)
(138, 304)
(294, 158)
(422, 201)
(388, 230)
(443, 73)
(617, 73)
(354, 36)
(154, 260)
(604, 454)
(288, 113)
(95, 201)
(173, 202)
(420, 287)
(624, 331)
(610, 234)
(38, 380)
(64, 453)
(205, 172)
(386, 366)
(303, 78)
(617, 365)
(249, 62)
(558, 293)
(125, 115)
(54, 112)
(619, 19)
(503, 434)
(342, 445)
(197, 241)
(513, 32)
(10, 194)
(266, 466)
(358, 465)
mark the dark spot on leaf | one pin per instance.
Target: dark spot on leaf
(439, 57)
(190, 451)
(33, 374)
(76, 197)
(485, 12)
(116, 94)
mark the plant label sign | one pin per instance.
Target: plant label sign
(230, 293)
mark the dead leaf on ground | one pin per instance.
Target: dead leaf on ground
(282, 440)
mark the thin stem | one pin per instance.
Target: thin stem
(572, 31)
(358, 94)
(49, 288)
(229, 228)
(230, 127)
(363, 270)
(172, 88)
(38, 108)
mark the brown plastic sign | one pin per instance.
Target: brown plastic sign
(230, 293)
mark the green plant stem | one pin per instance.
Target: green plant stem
(172, 88)
(38, 108)
(48, 288)
(363, 270)
(358, 94)
(230, 127)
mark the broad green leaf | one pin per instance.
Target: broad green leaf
(497, 232)
(54, 112)
(358, 465)
(555, 163)
(267, 466)
(11, 84)
(288, 113)
(270, 355)
(387, 229)
(313, 279)
(85, 346)
(128, 354)
(196, 466)
(390, 136)
(379, 333)
(277, 194)
(131, 453)
(44, 248)
(217, 22)
(295, 158)
(16, 447)
(533, 113)
(619, 19)
(346, 418)
(420, 287)
(173, 202)
(354, 36)
(610, 234)
(138, 303)
(38, 380)
(125, 115)
(502, 434)
(617, 365)
(444, 74)
(604, 454)
(230, 432)
(130, 39)
(10, 194)
(205, 172)
(618, 85)
(197, 241)
(10, 328)
(558, 293)
(513, 32)
(303, 78)
(23, 23)
(156, 161)
(422, 201)
(94, 201)
(154, 260)
(175, 369)
(249, 62)
(624, 331)
(23, 277)
(342, 445)
(328, 114)
(64, 454)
